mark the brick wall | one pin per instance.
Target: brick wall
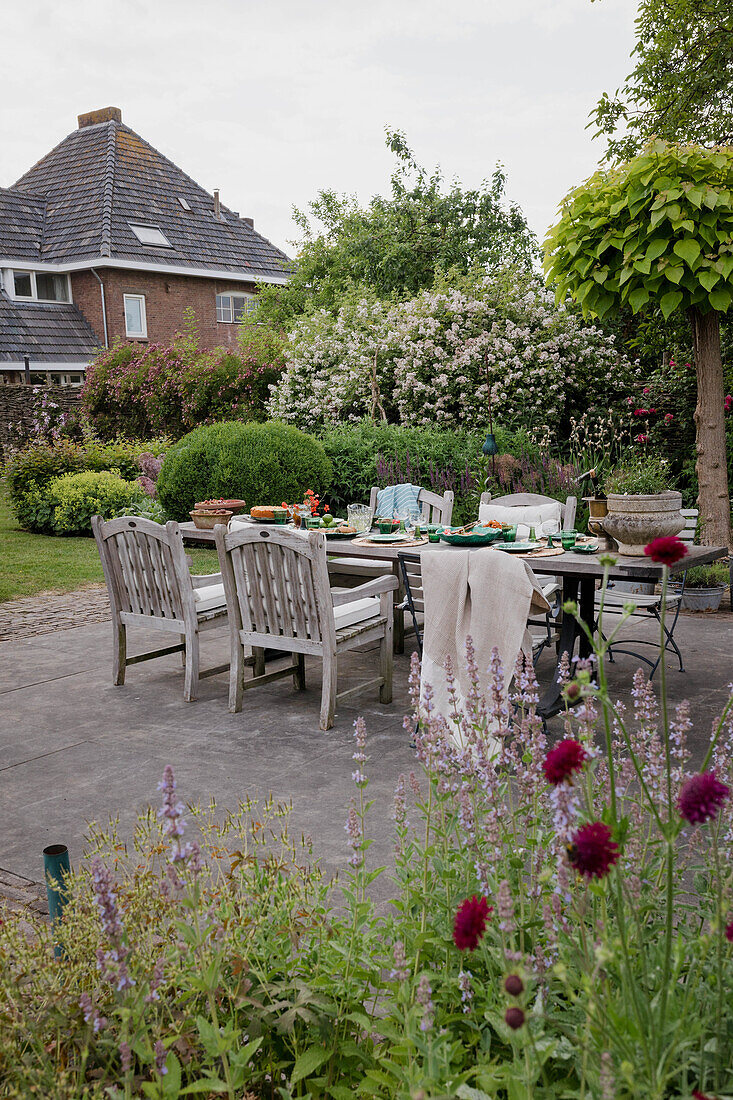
(166, 298)
(18, 405)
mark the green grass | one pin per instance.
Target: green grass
(30, 564)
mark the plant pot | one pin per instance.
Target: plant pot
(703, 599)
(208, 520)
(635, 588)
(635, 520)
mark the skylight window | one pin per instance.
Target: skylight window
(184, 202)
(151, 234)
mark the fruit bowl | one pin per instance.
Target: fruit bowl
(236, 507)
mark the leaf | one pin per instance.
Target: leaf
(206, 1084)
(171, 1082)
(657, 248)
(674, 274)
(688, 250)
(708, 279)
(720, 299)
(308, 1062)
(638, 298)
(669, 302)
(465, 1092)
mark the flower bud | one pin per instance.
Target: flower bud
(514, 985)
(572, 691)
(514, 1018)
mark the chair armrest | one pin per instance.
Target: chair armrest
(550, 590)
(200, 580)
(371, 588)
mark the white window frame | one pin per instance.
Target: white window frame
(250, 307)
(143, 316)
(165, 243)
(34, 287)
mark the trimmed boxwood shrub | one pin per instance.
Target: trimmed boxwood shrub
(65, 505)
(259, 463)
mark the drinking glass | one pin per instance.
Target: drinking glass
(568, 539)
(550, 527)
(414, 521)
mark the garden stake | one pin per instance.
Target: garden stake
(56, 866)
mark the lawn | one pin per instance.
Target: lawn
(30, 564)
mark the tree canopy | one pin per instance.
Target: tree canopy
(681, 88)
(397, 244)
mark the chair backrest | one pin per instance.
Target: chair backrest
(276, 582)
(414, 592)
(519, 500)
(145, 567)
(688, 532)
(435, 507)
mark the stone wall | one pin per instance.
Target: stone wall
(20, 406)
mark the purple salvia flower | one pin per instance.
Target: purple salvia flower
(125, 1057)
(464, 984)
(606, 1079)
(355, 838)
(171, 810)
(160, 1056)
(155, 982)
(505, 908)
(424, 997)
(400, 807)
(400, 971)
(91, 1013)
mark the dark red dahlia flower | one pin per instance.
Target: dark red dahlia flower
(563, 761)
(514, 1018)
(697, 1095)
(701, 797)
(666, 550)
(470, 923)
(592, 850)
(729, 932)
(514, 985)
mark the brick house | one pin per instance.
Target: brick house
(104, 238)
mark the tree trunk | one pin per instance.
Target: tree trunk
(711, 466)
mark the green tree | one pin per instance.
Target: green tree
(681, 88)
(398, 243)
(659, 229)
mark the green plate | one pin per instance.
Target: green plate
(483, 537)
(585, 548)
(337, 532)
(517, 547)
(397, 536)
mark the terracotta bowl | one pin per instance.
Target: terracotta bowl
(236, 507)
(207, 520)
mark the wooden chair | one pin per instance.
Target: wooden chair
(278, 596)
(526, 500)
(150, 585)
(435, 507)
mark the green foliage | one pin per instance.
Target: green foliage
(654, 230)
(707, 576)
(681, 86)
(398, 244)
(641, 475)
(65, 505)
(37, 463)
(135, 390)
(259, 463)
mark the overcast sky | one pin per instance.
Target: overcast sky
(272, 100)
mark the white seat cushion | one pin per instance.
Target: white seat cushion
(209, 597)
(346, 614)
(359, 565)
(524, 515)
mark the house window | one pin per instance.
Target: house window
(184, 202)
(231, 308)
(151, 234)
(135, 320)
(41, 286)
(23, 284)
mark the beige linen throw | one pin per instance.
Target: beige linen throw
(485, 594)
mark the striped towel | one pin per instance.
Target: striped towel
(396, 498)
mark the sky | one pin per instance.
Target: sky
(273, 100)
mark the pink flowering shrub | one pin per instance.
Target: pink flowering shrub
(561, 925)
(138, 390)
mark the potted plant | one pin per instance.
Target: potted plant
(704, 587)
(641, 507)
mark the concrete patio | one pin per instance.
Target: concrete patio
(76, 749)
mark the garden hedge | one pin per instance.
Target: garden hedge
(260, 463)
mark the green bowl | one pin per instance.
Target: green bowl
(483, 536)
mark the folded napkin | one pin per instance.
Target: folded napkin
(488, 596)
(395, 498)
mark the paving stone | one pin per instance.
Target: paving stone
(45, 614)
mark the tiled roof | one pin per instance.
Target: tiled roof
(101, 178)
(47, 333)
(21, 224)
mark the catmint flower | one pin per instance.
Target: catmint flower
(470, 923)
(399, 971)
(464, 984)
(160, 1056)
(354, 834)
(701, 797)
(91, 1013)
(171, 810)
(125, 1057)
(424, 997)
(400, 808)
(505, 908)
(155, 982)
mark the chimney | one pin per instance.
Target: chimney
(249, 221)
(217, 206)
(104, 114)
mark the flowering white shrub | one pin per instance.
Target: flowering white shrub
(433, 359)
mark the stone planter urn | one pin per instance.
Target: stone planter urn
(634, 520)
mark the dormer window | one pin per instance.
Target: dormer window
(40, 286)
(151, 234)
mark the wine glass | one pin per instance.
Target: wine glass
(550, 527)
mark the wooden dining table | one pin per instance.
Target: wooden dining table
(580, 574)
